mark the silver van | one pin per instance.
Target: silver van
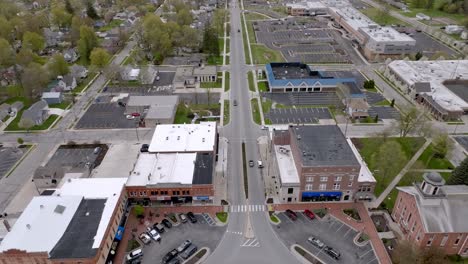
(189, 251)
(137, 253)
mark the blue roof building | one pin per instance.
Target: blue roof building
(299, 77)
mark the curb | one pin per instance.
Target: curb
(300, 257)
(271, 222)
(17, 163)
(205, 256)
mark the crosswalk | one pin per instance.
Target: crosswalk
(243, 208)
(253, 242)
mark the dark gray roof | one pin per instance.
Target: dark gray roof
(422, 87)
(68, 79)
(433, 177)
(323, 146)
(50, 172)
(203, 172)
(35, 111)
(353, 88)
(78, 239)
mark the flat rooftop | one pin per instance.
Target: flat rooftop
(184, 138)
(436, 73)
(286, 165)
(172, 168)
(153, 100)
(293, 71)
(323, 146)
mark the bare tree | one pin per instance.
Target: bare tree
(411, 120)
(26, 123)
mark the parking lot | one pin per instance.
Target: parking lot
(105, 116)
(331, 232)
(161, 86)
(302, 39)
(429, 46)
(463, 141)
(201, 234)
(298, 115)
(8, 157)
(77, 156)
(384, 112)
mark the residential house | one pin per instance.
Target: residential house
(129, 74)
(52, 97)
(37, 113)
(357, 108)
(79, 72)
(52, 38)
(188, 77)
(67, 82)
(110, 44)
(70, 55)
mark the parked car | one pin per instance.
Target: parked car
(158, 227)
(97, 150)
(192, 217)
(292, 215)
(135, 254)
(235, 102)
(169, 256)
(154, 235)
(135, 114)
(183, 218)
(309, 214)
(184, 246)
(130, 117)
(251, 163)
(264, 128)
(260, 164)
(145, 238)
(189, 251)
(332, 252)
(238, 30)
(316, 242)
(122, 104)
(144, 148)
(166, 223)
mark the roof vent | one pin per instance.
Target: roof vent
(87, 214)
(41, 206)
(59, 209)
(167, 138)
(28, 226)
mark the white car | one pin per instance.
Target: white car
(184, 246)
(145, 238)
(154, 235)
(130, 117)
(316, 242)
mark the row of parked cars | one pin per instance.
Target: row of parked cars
(329, 250)
(153, 233)
(185, 251)
(293, 215)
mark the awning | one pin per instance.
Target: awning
(321, 194)
(120, 232)
(201, 198)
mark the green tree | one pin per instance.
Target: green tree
(389, 159)
(392, 103)
(139, 211)
(6, 29)
(24, 57)
(460, 174)
(88, 41)
(99, 57)
(369, 84)
(91, 11)
(7, 54)
(58, 66)
(20, 140)
(418, 55)
(69, 7)
(60, 17)
(442, 144)
(183, 17)
(34, 79)
(210, 41)
(33, 41)
(219, 17)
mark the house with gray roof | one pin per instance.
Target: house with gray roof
(37, 113)
(154, 109)
(67, 82)
(79, 72)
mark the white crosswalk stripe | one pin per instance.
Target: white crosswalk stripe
(247, 208)
(253, 242)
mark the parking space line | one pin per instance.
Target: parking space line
(370, 250)
(372, 260)
(340, 228)
(347, 232)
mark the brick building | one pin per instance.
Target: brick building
(317, 163)
(179, 166)
(76, 224)
(433, 215)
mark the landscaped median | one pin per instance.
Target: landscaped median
(227, 83)
(274, 219)
(226, 116)
(245, 41)
(222, 217)
(255, 111)
(251, 81)
(305, 255)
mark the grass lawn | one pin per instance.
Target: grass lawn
(255, 111)
(255, 16)
(228, 47)
(62, 105)
(85, 82)
(262, 55)
(216, 84)
(274, 219)
(26, 101)
(368, 147)
(226, 116)
(222, 216)
(432, 162)
(185, 114)
(384, 102)
(263, 86)
(381, 17)
(406, 180)
(182, 115)
(227, 82)
(114, 23)
(251, 81)
(215, 60)
(14, 90)
(266, 105)
(246, 45)
(251, 33)
(433, 13)
(14, 125)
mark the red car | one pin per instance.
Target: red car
(292, 215)
(309, 214)
(135, 114)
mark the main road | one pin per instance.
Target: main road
(254, 225)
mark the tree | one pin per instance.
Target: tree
(410, 120)
(139, 211)
(58, 66)
(33, 41)
(392, 103)
(418, 55)
(60, 17)
(91, 11)
(99, 57)
(441, 145)
(6, 29)
(20, 140)
(34, 79)
(26, 123)
(24, 57)
(183, 17)
(369, 84)
(465, 20)
(210, 41)
(69, 7)
(111, 71)
(7, 54)
(88, 41)
(404, 253)
(376, 119)
(388, 159)
(460, 174)
(219, 17)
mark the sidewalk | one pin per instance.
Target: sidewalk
(220, 182)
(396, 180)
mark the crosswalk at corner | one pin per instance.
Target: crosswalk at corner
(243, 208)
(253, 242)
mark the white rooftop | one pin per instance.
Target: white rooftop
(311, 5)
(151, 169)
(40, 226)
(184, 138)
(386, 34)
(287, 167)
(365, 175)
(134, 73)
(435, 72)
